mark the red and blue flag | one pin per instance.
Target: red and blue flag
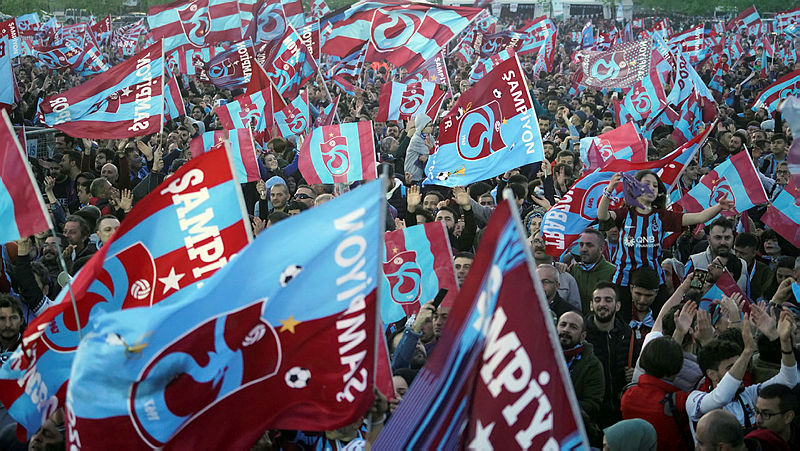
(302, 328)
(498, 371)
(417, 263)
(175, 238)
(774, 93)
(231, 68)
(199, 22)
(293, 10)
(783, 214)
(295, 117)
(174, 107)
(433, 70)
(21, 205)
(124, 101)
(28, 23)
(485, 65)
(328, 113)
(404, 101)
(289, 65)
(269, 23)
(343, 153)
(491, 129)
(243, 151)
(189, 59)
(252, 111)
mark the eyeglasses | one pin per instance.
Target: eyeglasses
(548, 281)
(767, 415)
(302, 196)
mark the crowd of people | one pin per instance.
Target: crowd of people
(651, 363)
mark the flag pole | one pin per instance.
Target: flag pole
(163, 69)
(69, 283)
(330, 98)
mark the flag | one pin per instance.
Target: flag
(231, 68)
(102, 31)
(433, 70)
(174, 107)
(28, 23)
(90, 61)
(295, 117)
(122, 102)
(8, 85)
(269, 24)
(587, 35)
(783, 214)
(689, 42)
(59, 54)
(21, 205)
(248, 111)
(563, 224)
(417, 262)
(687, 82)
(293, 10)
(736, 177)
(404, 101)
(745, 19)
(620, 67)
(343, 153)
(646, 98)
(301, 328)
(724, 286)
(621, 143)
(199, 22)
(498, 378)
(493, 43)
(774, 93)
(289, 65)
(8, 29)
(243, 151)
(319, 8)
(327, 114)
(177, 236)
(309, 36)
(189, 59)
(536, 35)
(484, 65)
(783, 20)
(546, 56)
(491, 129)
(464, 49)
(689, 120)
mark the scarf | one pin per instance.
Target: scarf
(573, 355)
(647, 321)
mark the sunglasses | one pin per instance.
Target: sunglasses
(302, 196)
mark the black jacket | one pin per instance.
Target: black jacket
(611, 348)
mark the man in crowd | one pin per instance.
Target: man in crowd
(593, 267)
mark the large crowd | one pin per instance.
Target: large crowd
(649, 367)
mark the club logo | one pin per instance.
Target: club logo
(270, 22)
(195, 22)
(604, 69)
(335, 156)
(412, 99)
(124, 281)
(394, 28)
(479, 132)
(203, 367)
(404, 275)
(283, 70)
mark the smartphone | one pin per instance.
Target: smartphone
(439, 297)
(698, 278)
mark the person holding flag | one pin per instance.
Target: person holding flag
(643, 223)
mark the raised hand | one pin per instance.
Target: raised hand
(413, 198)
(462, 198)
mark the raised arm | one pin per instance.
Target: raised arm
(602, 206)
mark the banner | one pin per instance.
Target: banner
(301, 328)
(433, 70)
(619, 68)
(491, 129)
(242, 149)
(230, 69)
(174, 239)
(289, 65)
(343, 153)
(403, 101)
(498, 377)
(199, 23)
(294, 119)
(417, 263)
(122, 102)
(786, 86)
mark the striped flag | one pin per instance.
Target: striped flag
(435, 70)
(269, 24)
(498, 378)
(783, 20)
(231, 68)
(724, 286)
(319, 8)
(176, 237)
(245, 161)
(9, 30)
(417, 263)
(122, 102)
(328, 113)
(745, 19)
(248, 111)
(289, 65)
(8, 87)
(546, 55)
(736, 177)
(187, 59)
(21, 205)
(770, 98)
(536, 35)
(484, 65)
(404, 101)
(174, 107)
(28, 23)
(783, 214)
(646, 98)
(199, 22)
(293, 10)
(294, 119)
(689, 42)
(343, 153)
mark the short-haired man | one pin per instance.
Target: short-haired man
(759, 276)
(720, 241)
(10, 326)
(593, 267)
(548, 275)
(644, 285)
(106, 226)
(462, 262)
(776, 410)
(610, 336)
(585, 371)
(77, 232)
(719, 430)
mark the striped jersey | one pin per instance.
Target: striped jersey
(640, 240)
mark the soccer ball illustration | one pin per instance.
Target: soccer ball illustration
(290, 273)
(444, 175)
(297, 377)
(497, 93)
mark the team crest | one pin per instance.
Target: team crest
(394, 28)
(479, 132)
(412, 99)
(270, 22)
(404, 275)
(200, 369)
(334, 155)
(195, 22)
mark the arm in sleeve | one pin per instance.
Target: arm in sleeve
(480, 213)
(700, 402)
(638, 371)
(29, 291)
(405, 349)
(467, 238)
(786, 376)
(593, 390)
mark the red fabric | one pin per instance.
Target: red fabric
(644, 401)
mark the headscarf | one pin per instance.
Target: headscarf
(631, 435)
